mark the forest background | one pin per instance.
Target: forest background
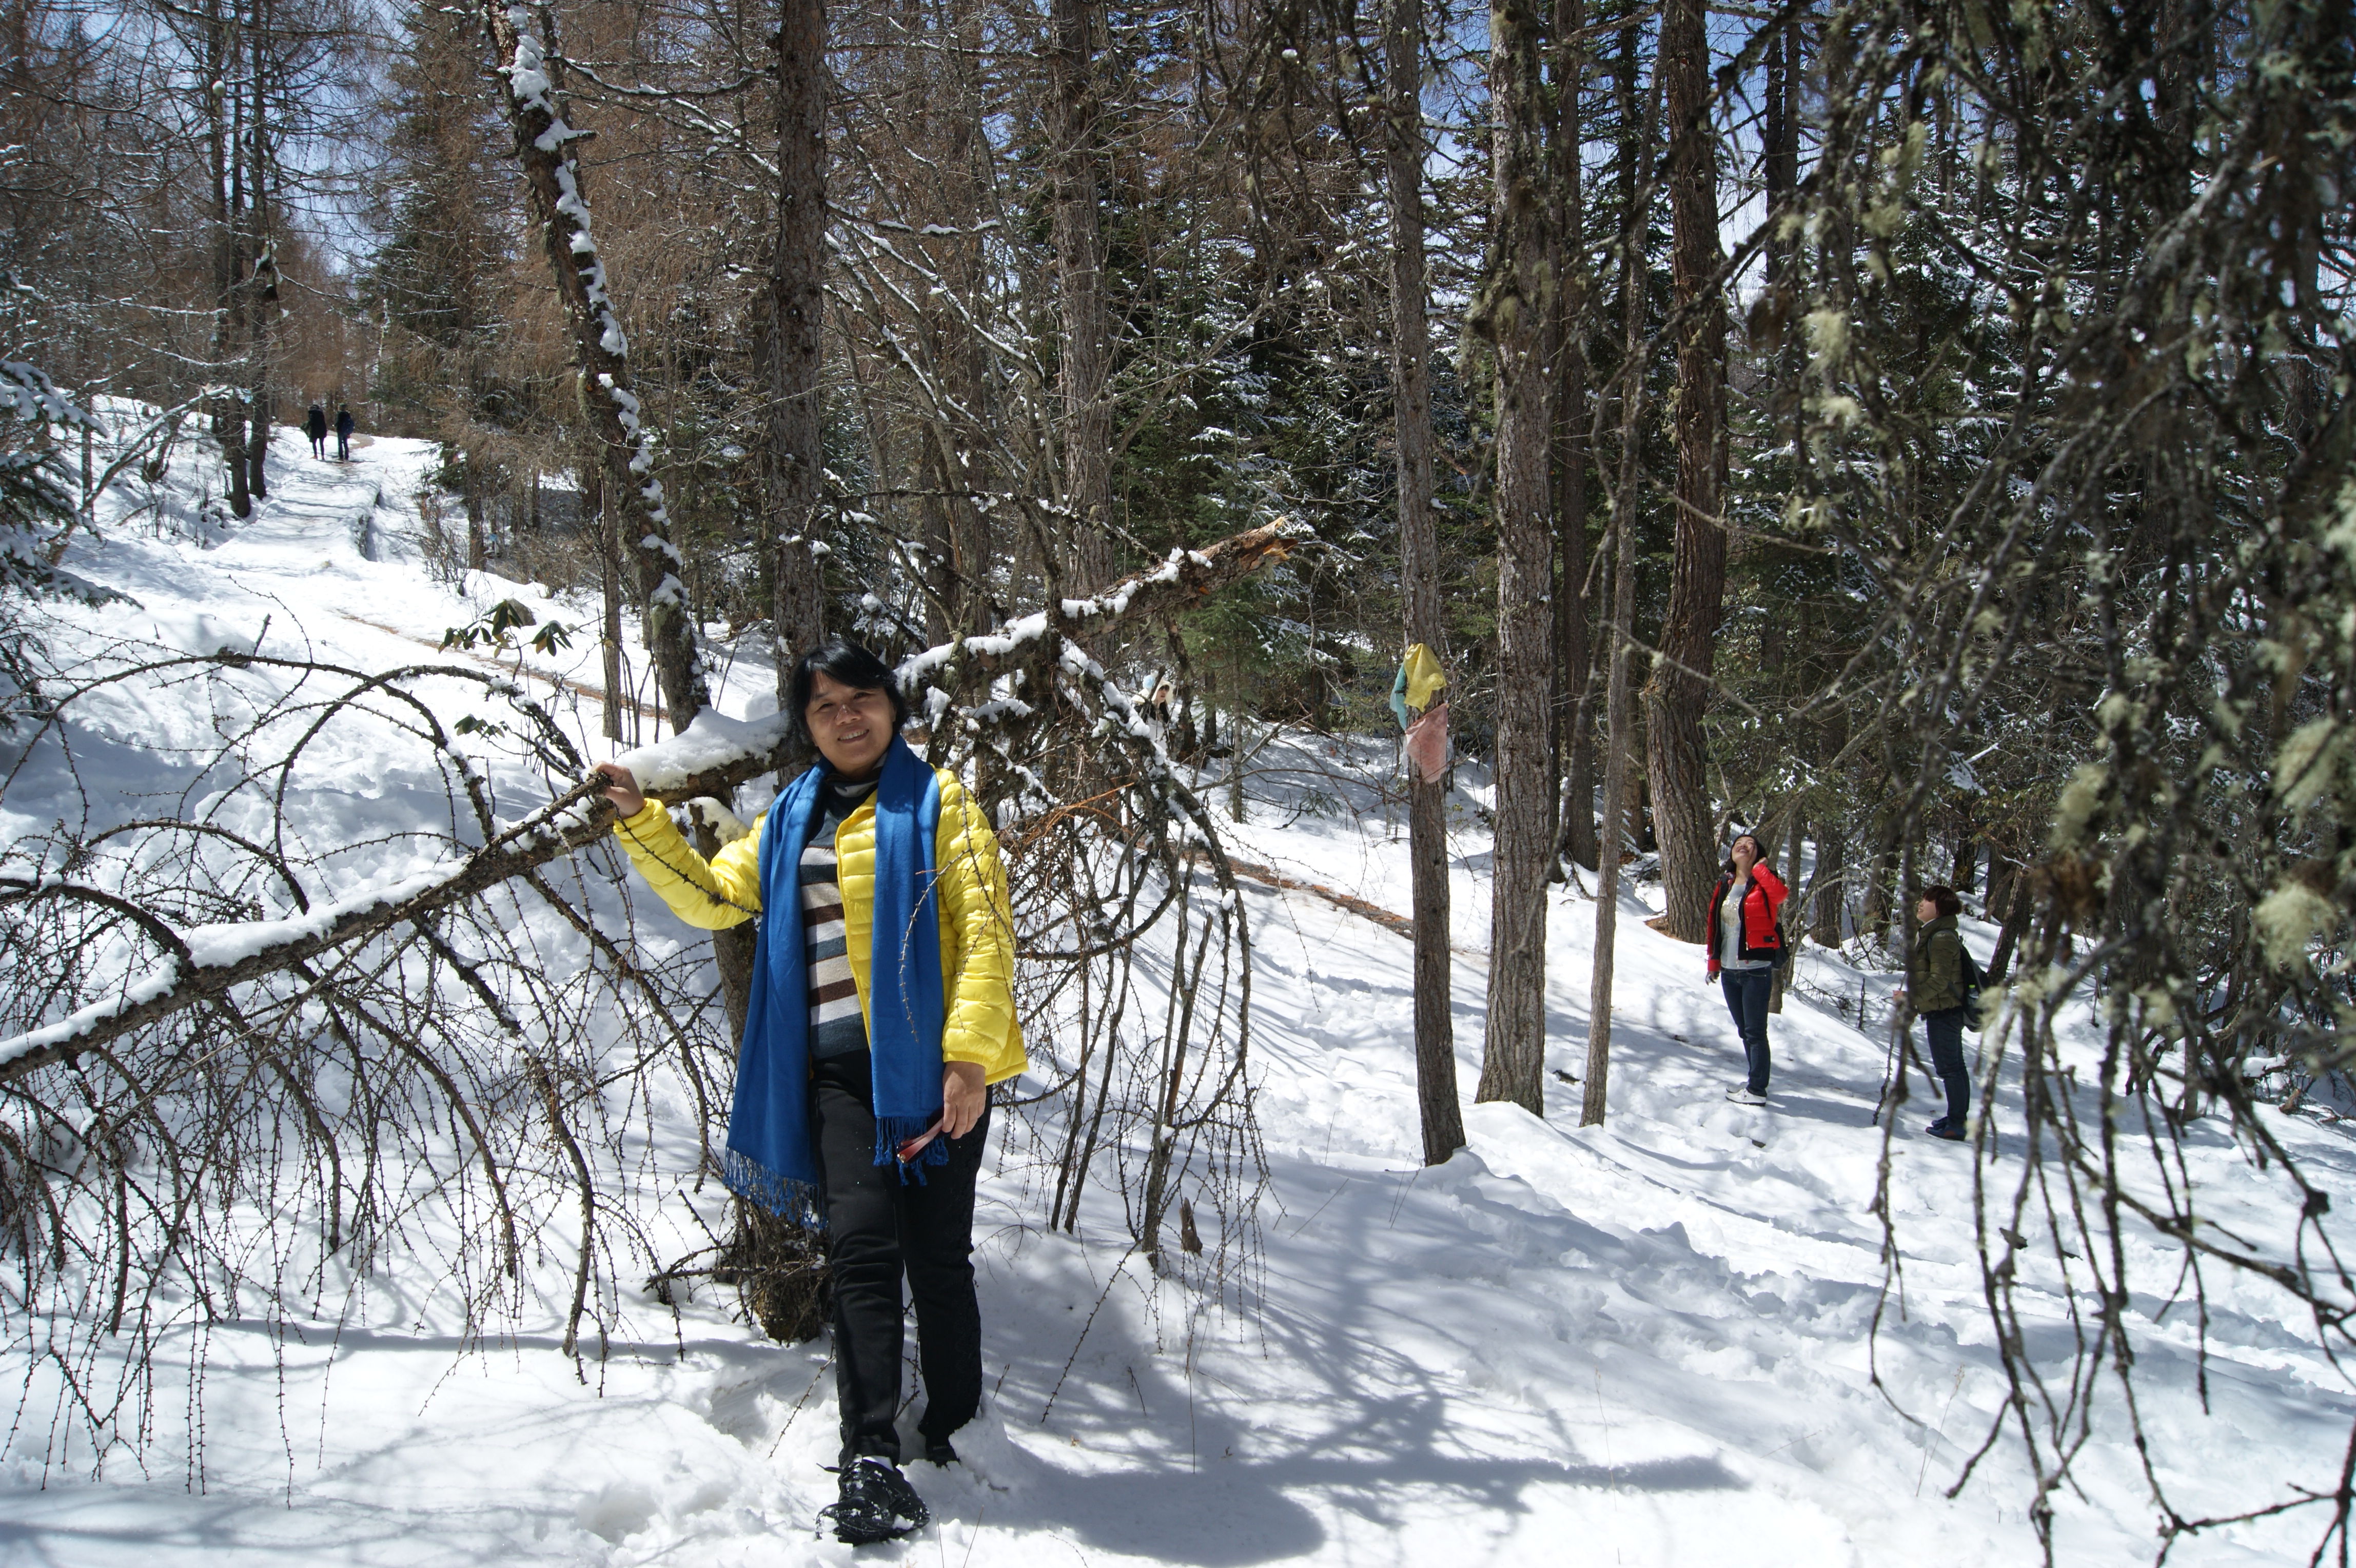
(1100, 283)
(1912, 430)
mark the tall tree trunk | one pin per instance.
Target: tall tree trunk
(223, 151)
(1518, 300)
(1880, 897)
(1832, 887)
(1965, 873)
(1617, 743)
(1679, 688)
(1618, 811)
(1574, 657)
(969, 526)
(264, 288)
(732, 948)
(1780, 164)
(1079, 282)
(939, 559)
(600, 515)
(778, 1265)
(789, 346)
(789, 339)
(2001, 871)
(1427, 828)
(261, 409)
(957, 533)
(1788, 923)
(2018, 904)
(601, 361)
(478, 544)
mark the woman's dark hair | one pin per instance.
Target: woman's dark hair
(1945, 898)
(843, 661)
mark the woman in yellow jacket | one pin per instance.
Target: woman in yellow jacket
(881, 1009)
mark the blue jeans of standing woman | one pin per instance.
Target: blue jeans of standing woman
(1945, 1028)
(1747, 991)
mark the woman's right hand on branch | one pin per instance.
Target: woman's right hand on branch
(621, 789)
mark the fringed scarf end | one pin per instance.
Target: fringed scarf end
(794, 1201)
(891, 1132)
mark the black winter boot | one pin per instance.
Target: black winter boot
(875, 1502)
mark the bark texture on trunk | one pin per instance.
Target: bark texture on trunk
(1574, 655)
(260, 404)
(1678, 689)
(1832, 886)
(1619, 811)
(1881, 903)
(2019, 904)
(790, 335)
(1080, 285)
(478, 552)
(732, 947)
(1781, 135)
(223, 150)
(957, 532)
(1435, 1038)
(601, 350)
(609, 590)
(264, 286)
(2002, 869)
(1517, 302)
(1618, 699)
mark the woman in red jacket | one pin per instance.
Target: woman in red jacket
(1746, 944)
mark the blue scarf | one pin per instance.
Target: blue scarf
(772, 1159)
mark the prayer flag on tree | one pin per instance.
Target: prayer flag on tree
(1420, 679)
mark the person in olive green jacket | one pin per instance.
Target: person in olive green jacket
(1934, 985)
(882, 1010)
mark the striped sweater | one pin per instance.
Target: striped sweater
(837, 1027)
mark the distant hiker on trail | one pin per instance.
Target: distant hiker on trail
(881, 1009)
(1935, 987)
(314, 426)
(343, 433)
(1746, 944)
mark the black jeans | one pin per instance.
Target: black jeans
(1747, 991)
(1945, 1028)
(878, 1227)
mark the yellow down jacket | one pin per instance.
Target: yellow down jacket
(977, 928)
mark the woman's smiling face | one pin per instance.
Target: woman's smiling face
(850, 724)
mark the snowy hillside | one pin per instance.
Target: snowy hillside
(1651, 1343)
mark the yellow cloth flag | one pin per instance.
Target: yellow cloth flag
(1424, 677)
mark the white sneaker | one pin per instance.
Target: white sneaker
(1740, 1094)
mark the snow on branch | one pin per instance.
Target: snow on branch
(711, 756)
(530, 98)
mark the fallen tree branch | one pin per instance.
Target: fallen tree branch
(1399, 925)
(711, 756)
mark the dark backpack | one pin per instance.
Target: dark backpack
(1974, 977)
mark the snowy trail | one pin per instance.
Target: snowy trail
(1642, 1344)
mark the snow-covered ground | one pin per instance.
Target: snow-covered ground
(1646, 1343)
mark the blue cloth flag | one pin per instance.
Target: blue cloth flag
(772, 1155)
